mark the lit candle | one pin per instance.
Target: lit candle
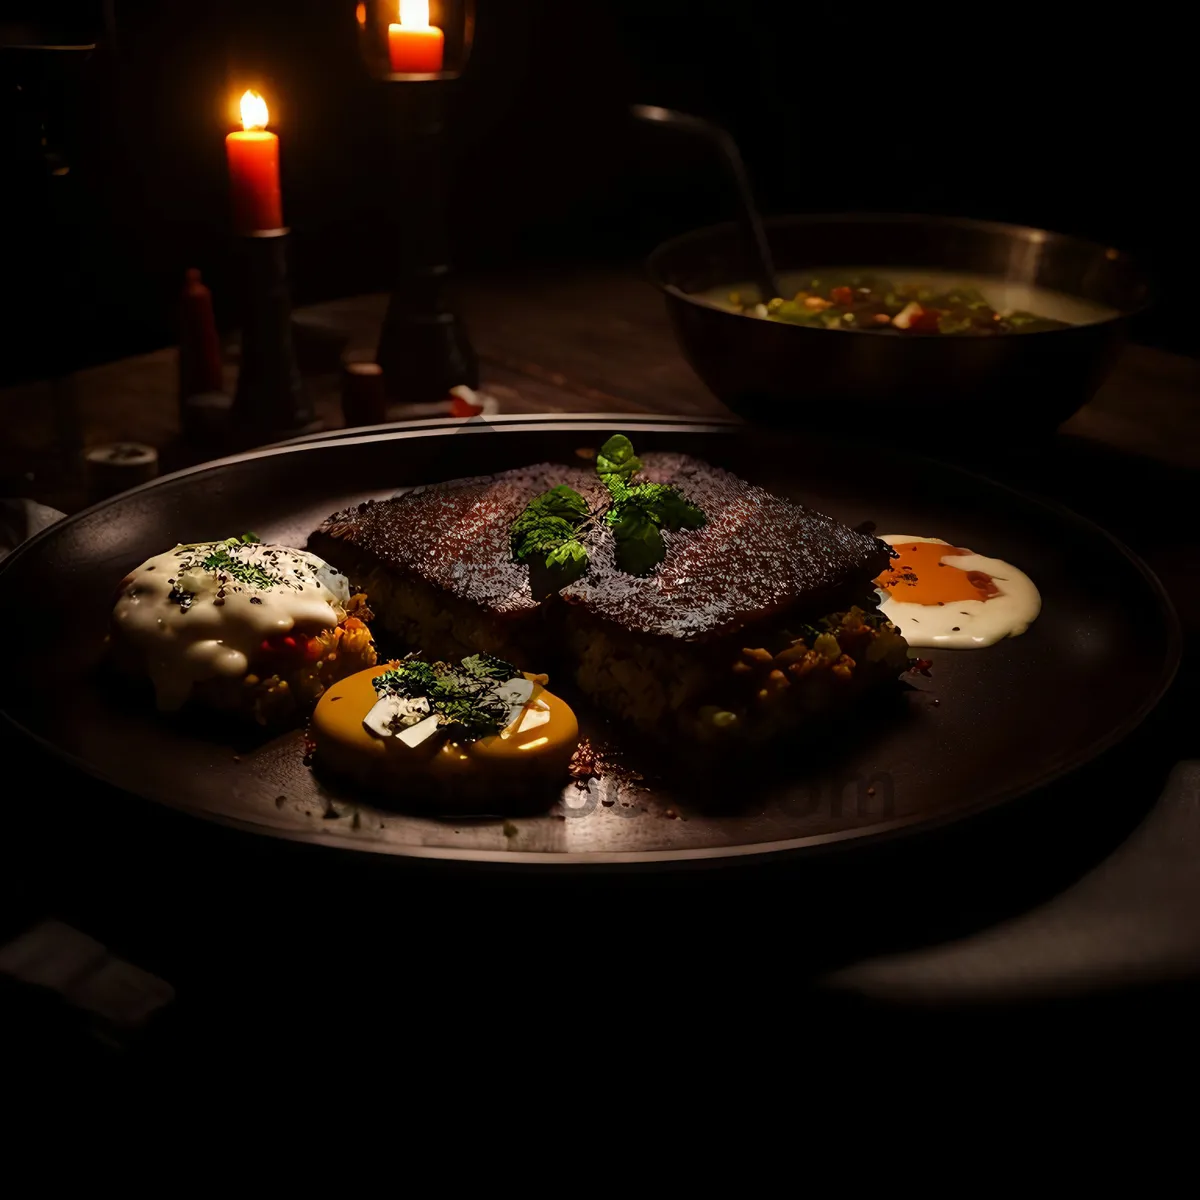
(254, 170)
(414, 46)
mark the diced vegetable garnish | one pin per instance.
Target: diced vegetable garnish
(865, 302)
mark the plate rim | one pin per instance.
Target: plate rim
(549, 860)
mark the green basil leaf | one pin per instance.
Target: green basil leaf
(675, 512)
(617, 461)
(537, 536)
(568, 562)
(560, 501)
(637, 501)
(640, 546)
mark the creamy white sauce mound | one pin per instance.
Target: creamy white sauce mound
(201, 612)
(965, 624)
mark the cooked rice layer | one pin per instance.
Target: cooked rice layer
(279, 699)
(732, 693)
(437, 624)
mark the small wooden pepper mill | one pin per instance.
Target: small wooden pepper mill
(364, 395)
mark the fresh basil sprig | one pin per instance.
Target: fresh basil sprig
(636, 516)
(546, 535)
(549, 533)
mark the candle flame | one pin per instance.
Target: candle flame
(360, 14)
(414, 14)
(254, 111)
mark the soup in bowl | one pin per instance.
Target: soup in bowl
(901, 315)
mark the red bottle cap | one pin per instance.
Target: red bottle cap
(200, 367)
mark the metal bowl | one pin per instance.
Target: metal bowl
(791, 375)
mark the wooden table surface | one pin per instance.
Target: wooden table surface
(577, 341)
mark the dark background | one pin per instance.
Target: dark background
(1008, 114)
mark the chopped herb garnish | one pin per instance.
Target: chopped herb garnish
(463, 696)
(549, 534)
(221, 559)
(221, 562)
(488, 668)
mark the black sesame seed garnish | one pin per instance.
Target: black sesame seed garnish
(954, 629)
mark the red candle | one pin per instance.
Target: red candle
(414, 46)
(254, 170)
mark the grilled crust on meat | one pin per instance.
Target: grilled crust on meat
(758, 556)
(452, 536)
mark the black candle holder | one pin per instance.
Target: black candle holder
(270, 402)
(423, 349)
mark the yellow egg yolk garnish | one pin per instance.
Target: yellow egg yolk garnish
(919, 576)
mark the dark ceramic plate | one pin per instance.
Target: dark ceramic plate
(987, 726)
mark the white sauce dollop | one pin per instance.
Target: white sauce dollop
(193, 623)
(965, 624)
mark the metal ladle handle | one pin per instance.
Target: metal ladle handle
(759, 251)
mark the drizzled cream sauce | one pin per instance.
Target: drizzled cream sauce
(193, 623)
